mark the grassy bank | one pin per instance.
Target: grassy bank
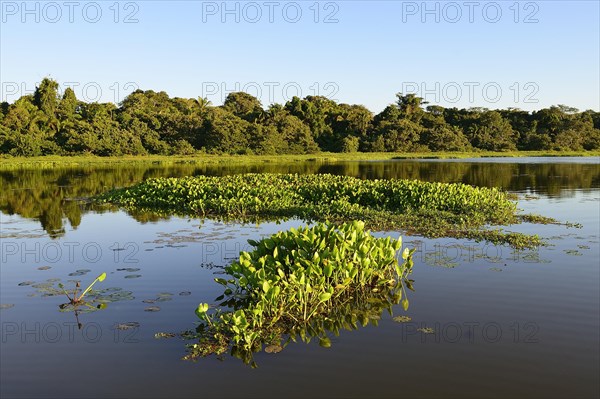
(83, 160)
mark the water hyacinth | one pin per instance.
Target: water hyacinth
(300, 280)
(416, 207)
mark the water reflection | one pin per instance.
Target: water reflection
(360, 309)
(50, 195)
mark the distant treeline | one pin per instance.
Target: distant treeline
(147, 122)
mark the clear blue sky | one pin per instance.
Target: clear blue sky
(500, 54)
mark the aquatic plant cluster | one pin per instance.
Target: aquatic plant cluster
(430, 209)
(303, 282)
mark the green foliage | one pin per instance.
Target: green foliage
(296, 282)
(350, 144)
(149, 122)
(430, 209)
(243, 105)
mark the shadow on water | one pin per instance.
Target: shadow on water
(49, 195)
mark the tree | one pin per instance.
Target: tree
(316, 112)
(243, 105)
(410, 106)
(293, 132)
(224, 132)
(399, 135)
(443, 137)
(489, 131)
(46, 96)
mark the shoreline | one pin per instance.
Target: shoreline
(324, 157)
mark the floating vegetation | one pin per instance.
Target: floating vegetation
(129, 269)
(273, 348)
(160, 335)
(583, 247)
(25, 283)
(402, 319)
(303, 283)
(160, 297)
(152, 309)
(80, 272)
(88, 301)
(130, 325)
(129, 276)
(44, 268)
(108, 296)
(572, 252)
(6, 305)
(164, 296)
(438, 259)
(426, 330)
(43, 286)
(76, 298)
(417, 207)
(185, 293)
(495, 269)
(529, 256)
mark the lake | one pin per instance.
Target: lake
(485, 320)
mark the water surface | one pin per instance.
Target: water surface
(505, 322)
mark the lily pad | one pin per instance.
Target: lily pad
(24, 283)
(133, 276)
(130, 325)
(164, 335)
(43, 286)
(426, 330)
(185, 293)
(44, 267)
(129, 269)
(80, 272)
(152, 309)
(149, 300)
(402, 319)
(163, 299)
(113, 296)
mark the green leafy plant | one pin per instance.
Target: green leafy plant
(74, 298)
(303, 282)
(417, 207)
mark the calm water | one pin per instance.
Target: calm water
(518, 323)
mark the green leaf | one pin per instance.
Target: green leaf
(324, 297)
(266, 286)
(221, 281)
(328, 270)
